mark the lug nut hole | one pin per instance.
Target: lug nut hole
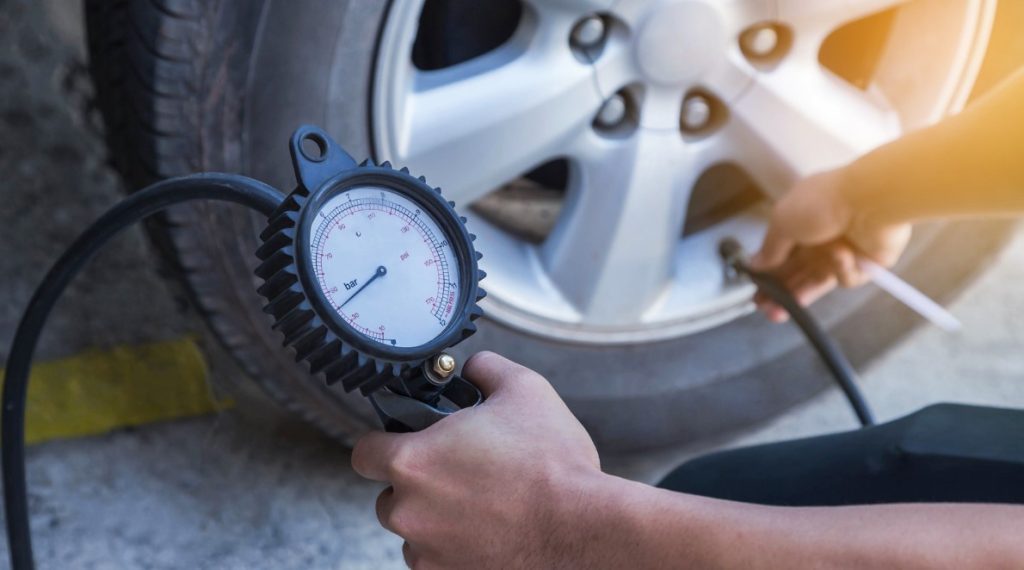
(590, 35)
(618, 114)
(765, 44)
(701, 113)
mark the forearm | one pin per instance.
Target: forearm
(647, 527)
(970, 164)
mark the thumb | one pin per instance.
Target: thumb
(492, 372)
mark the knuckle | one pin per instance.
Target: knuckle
(406, 463)
(496, 365)
(484, 355)
(521, 378)
(481, 363)
(517, 372)
(534, 379)
(481, 358)
(360, 455)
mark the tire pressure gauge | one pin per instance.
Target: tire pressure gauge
(370, 275)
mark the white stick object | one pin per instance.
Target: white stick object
(906, 293)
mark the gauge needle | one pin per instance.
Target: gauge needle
(381, 272)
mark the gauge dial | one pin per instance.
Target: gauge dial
(368, 271)
(385, 265)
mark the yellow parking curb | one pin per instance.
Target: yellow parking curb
(98, 390)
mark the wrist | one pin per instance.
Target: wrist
(618, 523)
(589, 520)
(868, 195)
(623, 523)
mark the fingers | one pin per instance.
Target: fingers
(773, 311)
(385, 507)
(809, 274)
(374, 454)
(846, 268)
(813, 212)
(491, 372)
(385, 504)
(774, 251)
(808, 292)
(408, 555)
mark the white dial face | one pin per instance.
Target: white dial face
(385, 266)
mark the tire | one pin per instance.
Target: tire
(170, 80)
(187, 85)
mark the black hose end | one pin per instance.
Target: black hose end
(733, 259)
(730, 250)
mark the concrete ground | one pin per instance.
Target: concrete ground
(249, 488)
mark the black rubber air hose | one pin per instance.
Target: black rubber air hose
(827, 349)
(151, 200)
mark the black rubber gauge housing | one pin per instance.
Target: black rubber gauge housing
(302, 311)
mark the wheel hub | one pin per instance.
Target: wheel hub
(677, 41)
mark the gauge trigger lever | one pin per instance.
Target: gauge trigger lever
(402, 414)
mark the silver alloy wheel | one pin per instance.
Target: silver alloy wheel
(615, 268)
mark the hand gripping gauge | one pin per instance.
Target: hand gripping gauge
(370, 275)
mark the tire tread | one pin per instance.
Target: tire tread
(155, 64)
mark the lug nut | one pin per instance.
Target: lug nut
(761, 42)
(612, 112)
(444, 365)
(696, 113)
(588, 32)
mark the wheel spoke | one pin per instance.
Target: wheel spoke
(611, 254)
(660, 109)
(819, 17)
(474, 127)
(801, 119)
